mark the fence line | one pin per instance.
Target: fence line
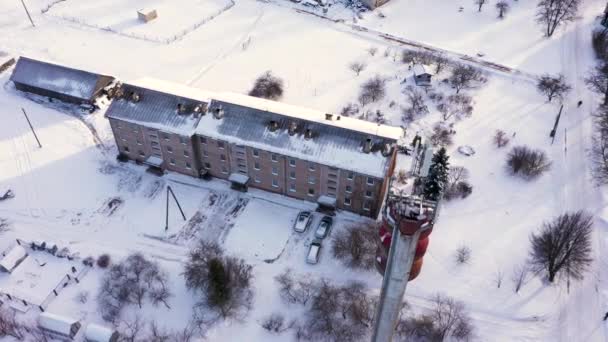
(181, 34)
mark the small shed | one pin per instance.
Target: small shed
(239, 181)
(98, 333)
(59, 82)
(56, 325)
(421, 77)
(12, 259)
(146, 14)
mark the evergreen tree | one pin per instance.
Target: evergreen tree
(438, 175)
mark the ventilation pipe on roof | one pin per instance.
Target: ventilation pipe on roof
(329, 116)
(181, 108)
(135, 97)
(218, 113)
(273, 125)
(308, 133)
(367, 146)
(293, 126)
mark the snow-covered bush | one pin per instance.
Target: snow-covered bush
(357, 67)
(4, 225)
(527, 163)
(463, 255)
(457, 106)
(356, 246)
(103, 261)
(274, 323)
(351, 109)
(457, 184)
(267, 86)
(501, 139)
(372, 51)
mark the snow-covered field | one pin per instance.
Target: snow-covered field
(63, 189)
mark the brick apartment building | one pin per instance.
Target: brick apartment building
(336, 161)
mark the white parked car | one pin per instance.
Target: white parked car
(324, 227)
(303, 221)
(314, 252)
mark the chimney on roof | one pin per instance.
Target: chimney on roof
(338, 117)
(329, 116)
(293, 126)
(367, 146)
(135, 97)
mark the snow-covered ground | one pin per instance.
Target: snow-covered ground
(63, 189)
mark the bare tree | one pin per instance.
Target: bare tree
(417, 106)
(527, 163)
(158, 334)
(372, 51)
(456, 106)
(597, 81)
(480, 3)
(553, 13)
(563, 246)
(450, 318)
(457, 184)
(440, 62)
(520, 276)
(356, 246)
(295, 290)
(441, 135)
(503, 8)
(465, 77)
(599, 148)
(9, 326)
(267, 86)
(418, 328)
(553, 86)
(372, 90)
(599, 40)
(274, 323)
(131, 330)
(223, 282)
(498, 276)
(4, 225)
(357, 67)
(501, 139)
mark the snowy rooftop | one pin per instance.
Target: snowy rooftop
(328, 144)
(157, 106)
(98, 333)
(57, 78)
(56, 323)
(419, 69)
(12, 258)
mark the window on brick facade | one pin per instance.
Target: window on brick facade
(224, 169)
(222, 157)
(349, 189)
(165, 136)
(138, 141)
(366, 206)
(186, 154)
(205, 153)
(292, 162)
(207, 166)
(275, 170)
(183, 140)
(257, 179)
(347, 201)
(188, 166)
(312, 180)
(125, 148)
(220, 144)
(311, 166)
(142, 154)
(255, 153)
(370, 181)
(311, 192)
(256, 165)
(368, 193)
(292, 174)
(274, 157)
(351, 175)
(275, 183)
(292, 187)
(169, 149)
(203, 140)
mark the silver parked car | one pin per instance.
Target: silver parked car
(303, 221)
(314, 251)
(324, 227)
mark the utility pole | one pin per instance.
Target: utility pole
(32, 128)
(554, 130)
(169, 190)
(28, 13)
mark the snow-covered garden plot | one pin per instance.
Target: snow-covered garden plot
(174, 20)
(35, 279)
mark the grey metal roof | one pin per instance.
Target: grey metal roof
(59, 79)
(328, 144)
(156, 109)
